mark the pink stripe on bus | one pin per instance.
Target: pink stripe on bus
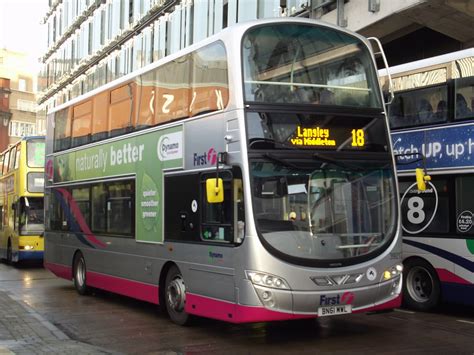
(80, 218)
(135, 289)
(196, 304)
(235, 313)
(62, 271)
(447, 276)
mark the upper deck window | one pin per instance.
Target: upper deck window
(294, 63)
(35, 152)
(419, 107)
(464, 99)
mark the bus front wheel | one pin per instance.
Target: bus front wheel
(79, 274)
(421, 287)
(175, 296)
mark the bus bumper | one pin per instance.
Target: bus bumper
(287, 305)
(30, 255)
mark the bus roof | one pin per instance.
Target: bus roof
(423, 63)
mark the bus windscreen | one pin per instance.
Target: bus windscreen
(302, 64)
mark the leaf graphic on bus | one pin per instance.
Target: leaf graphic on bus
(149, 203)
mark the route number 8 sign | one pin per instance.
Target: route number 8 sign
(418, 208)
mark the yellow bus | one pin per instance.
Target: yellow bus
(21, 200)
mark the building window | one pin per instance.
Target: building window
(26, 105)
(22, 85)
(20, 129)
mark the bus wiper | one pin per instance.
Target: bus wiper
(273, 158)
(339, 163)
(259, 143)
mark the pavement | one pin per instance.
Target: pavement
(24, 331)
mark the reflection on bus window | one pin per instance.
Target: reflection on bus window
(31, 216)
(419, 107)
(464, 99)
(35, 152)
(307, 65)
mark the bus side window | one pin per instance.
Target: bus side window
(100, 117)
(6, 162)
(12, 158)
(218, 219)
(81, 123)
(239, 211)
(62, 129)
(147, 100)
(121, 109)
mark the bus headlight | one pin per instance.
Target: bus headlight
(267, 280)
(27, 247)
(392, 272)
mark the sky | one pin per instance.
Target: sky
(20, 28)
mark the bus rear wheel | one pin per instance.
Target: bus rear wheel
(175, 296)
(421, 287)
(9, 252)
(79, 274)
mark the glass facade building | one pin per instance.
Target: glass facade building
(92, 42)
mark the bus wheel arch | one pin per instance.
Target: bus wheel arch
(421, 285)
(173, 294)
(79, 273)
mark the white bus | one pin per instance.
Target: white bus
(432, 121)
(247, 178)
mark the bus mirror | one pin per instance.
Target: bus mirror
(421, 179)
(215, 190)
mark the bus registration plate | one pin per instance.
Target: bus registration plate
(334, 310)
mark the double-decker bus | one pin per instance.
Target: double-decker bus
(432, 121)
(21, 200)
(247, 178)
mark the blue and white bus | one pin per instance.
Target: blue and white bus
(432, 121)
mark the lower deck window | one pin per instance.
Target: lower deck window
(105, 208)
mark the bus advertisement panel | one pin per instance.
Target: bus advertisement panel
(443, 148)
(247, 178)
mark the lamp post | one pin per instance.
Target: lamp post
(5, 118)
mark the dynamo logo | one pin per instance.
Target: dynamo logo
(170, 146)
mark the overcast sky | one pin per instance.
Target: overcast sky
(20, 28)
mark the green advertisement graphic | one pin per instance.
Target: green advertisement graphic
(145, 156)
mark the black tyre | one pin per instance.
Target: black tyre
(175, 296)
(79, 274)
(9, 253)
(421, 287)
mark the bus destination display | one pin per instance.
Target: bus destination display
(311, 137)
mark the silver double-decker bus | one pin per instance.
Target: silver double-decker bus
(246, 178)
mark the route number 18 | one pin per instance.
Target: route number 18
(358, 138)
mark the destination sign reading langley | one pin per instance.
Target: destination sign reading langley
(312, 137)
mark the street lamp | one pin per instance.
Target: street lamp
(6, 117)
